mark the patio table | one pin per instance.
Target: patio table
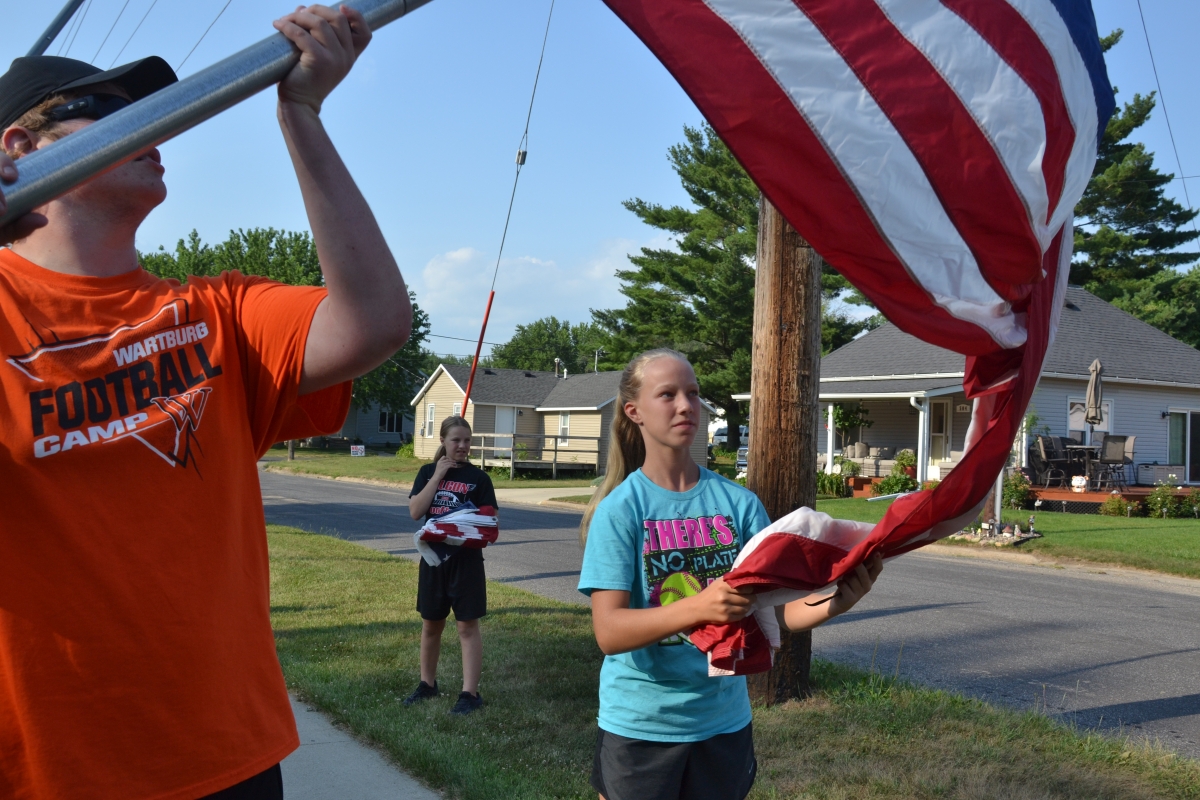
(1087, 451)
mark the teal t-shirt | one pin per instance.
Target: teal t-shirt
(661, 546)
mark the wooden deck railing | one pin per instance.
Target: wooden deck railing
(532, 449)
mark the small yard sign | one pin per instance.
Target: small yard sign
(358, 449)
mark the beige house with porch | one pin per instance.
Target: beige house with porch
(550, 422)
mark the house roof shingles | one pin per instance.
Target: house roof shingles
(1089, 329)
(510, 387)
(519, 387)
(586, 390)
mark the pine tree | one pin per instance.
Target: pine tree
(699, 298)
(1128, 232)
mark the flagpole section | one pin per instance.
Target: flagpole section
(56, 169)
(55, 28)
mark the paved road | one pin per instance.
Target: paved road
(1117, 650)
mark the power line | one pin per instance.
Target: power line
(120, 14)
(523, 147)
(1166, 116)
(461, 339)
(135, 30)
(201, 39)
(79, 27)
(67, 36)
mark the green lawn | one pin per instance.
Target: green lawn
(347, 638)
(395, 469)
(577, 499)
(1165, 545)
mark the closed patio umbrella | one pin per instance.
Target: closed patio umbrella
(1094, 414)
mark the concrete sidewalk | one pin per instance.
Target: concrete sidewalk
(534, 497)
(331, 763)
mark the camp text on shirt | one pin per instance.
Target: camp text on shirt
(154, 396)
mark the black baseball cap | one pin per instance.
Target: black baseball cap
(31, 79)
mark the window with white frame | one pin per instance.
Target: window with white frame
(1082, 432)
(430, 432)
(458, 409)
(391, 422)
(564, 427)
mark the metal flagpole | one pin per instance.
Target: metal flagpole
(55, 28)
(56, 169)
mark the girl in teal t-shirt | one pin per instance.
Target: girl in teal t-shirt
(659, 535)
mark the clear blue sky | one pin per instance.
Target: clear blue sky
(429, 123)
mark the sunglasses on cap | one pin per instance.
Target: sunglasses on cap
(92, 106)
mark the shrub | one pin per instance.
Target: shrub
(832, 484)
(929, 485)
(848, 468)
(1162, 502)
(904, 458)
(406, 451)
(894, 484)
(1017, 491)
(1118, 506)
(1191, 503)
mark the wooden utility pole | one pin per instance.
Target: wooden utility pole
(784, 410)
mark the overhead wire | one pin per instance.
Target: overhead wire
(79, 27)
(523, 147)
(135, 30)
(120, 14)
(65, 37)
(461, 339)
(201, 39)
(1162, 97)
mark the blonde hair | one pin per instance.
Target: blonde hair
(626, 449)
(448, 424)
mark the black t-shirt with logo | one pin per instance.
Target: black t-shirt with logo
(463, 487)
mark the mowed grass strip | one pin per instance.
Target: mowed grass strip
(1163, 545)
(577, 499)
(395, 469)
(347, 636)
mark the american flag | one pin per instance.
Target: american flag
(933, 152)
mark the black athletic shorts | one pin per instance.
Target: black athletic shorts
(457, 584)
(720, 768)
(266, 785)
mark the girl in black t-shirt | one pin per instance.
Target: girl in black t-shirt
(448, 484)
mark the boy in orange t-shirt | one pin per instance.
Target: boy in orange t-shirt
(136, 653)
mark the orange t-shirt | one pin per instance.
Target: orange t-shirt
(136, 653)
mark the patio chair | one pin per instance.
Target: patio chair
(1047, 467)
(1129, 450)
(1111, 464)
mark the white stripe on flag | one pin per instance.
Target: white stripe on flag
(882, 170)
(1046, 22)
(1005, 108)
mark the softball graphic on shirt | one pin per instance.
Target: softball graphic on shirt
(682, 556)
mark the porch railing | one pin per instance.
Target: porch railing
(533, 448)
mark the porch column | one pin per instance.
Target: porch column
(922, 408)
(829, 443)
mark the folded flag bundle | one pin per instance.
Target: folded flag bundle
(441, 537)
(778, 563)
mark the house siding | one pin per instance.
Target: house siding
(443, 393)
(606, 420)
(699, 449)
(364, 425)
(1136, 411)
(576, 450)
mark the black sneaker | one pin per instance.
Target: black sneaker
(467, 703)
(423, 692)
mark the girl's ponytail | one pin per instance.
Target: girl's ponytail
(626, 449)
(448, 424)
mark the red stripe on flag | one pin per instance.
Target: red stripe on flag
(775, 144)
(955, 154)
(1011, 36)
